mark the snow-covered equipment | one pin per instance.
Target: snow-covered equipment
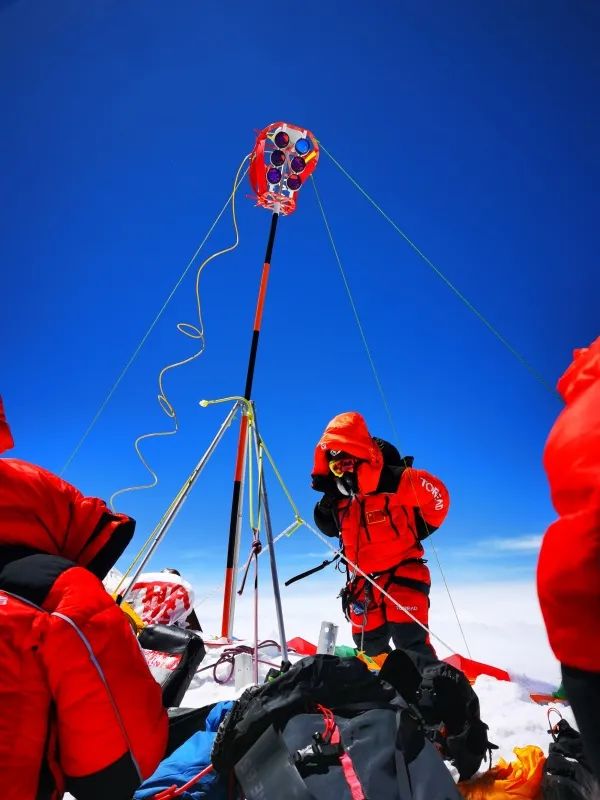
(162, 598)
(173, 656)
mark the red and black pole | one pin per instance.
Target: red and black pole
(284, 156)
(234, 522)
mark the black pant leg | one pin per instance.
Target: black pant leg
(583, 692)
(411, 638)
(374, 642)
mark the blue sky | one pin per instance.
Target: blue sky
(474, 125)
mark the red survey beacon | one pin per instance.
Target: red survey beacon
(283, 157)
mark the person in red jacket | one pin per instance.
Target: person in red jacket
(568, 574)
(79, 709)
(381, 508)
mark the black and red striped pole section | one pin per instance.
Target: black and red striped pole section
(235, 519)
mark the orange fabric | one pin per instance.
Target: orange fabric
(374, 663)
(348, 432)
(6, 439)
(568, 575)
(473, 669)
(519, 779)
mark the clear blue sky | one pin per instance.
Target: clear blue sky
(475, 125)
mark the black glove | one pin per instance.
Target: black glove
(326, 484)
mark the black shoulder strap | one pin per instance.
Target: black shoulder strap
(312, 571)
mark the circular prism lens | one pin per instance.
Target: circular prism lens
(303, 146)
(298, 163)
(277, 157)
(273, 175)
(294, 182)
(282, 139)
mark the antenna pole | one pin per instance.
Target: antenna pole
(236, 499)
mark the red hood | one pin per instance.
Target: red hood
(582, 373)
(349, 432)
(6, 439)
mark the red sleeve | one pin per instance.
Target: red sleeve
(568, 573)
(572, 454)
(112, 727)
(423, 491)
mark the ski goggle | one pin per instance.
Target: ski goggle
(341, 465)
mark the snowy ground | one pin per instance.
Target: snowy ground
(501, 623)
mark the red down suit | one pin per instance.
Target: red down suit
(568, 575)
(381, 527)
(79, 710)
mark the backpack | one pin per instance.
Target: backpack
(449, 708)
(567, 774)
(329, 728)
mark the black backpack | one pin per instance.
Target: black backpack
(449, 708)
(328, 728)
(567, 774)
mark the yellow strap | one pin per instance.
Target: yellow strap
(280, 479)
(136, 622)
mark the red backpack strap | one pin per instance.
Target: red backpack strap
(331, 735)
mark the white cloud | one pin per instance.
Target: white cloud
(496, 547)
(527, 543)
